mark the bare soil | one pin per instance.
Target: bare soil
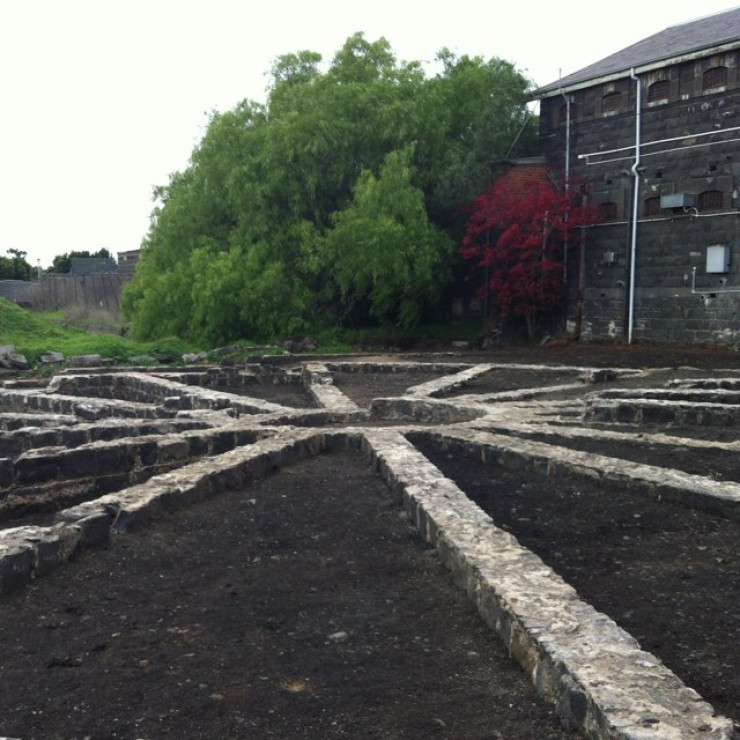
(301, 607)
(668, 574)
(304, 606)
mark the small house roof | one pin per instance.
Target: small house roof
(685, 40)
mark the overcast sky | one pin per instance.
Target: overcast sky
(102, 99)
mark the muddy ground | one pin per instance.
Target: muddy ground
(305, 606)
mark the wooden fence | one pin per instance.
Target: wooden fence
(98, 290)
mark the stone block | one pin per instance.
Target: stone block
(6, 472)
(44, 438)
(72, 438)
(94, 529)
(148, 453)
(36, 469)
(52, 357)
(658, 414)
(198, 445)
(222, 442)
(16, 567)
(48, 554)
(85, 361)
(108, 459)
(626, 414)
(173, 450)
(80, 463)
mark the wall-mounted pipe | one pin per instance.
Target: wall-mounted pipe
(635, 207)
(567, 192)
(567, 139)
(683, 137)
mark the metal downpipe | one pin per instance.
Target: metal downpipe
(635, 208)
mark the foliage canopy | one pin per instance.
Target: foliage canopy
(15, 267)
(515, 240)
(62, 263)
(334, 203)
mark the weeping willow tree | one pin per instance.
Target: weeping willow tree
(337, 198)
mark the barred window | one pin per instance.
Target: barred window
(611, 103)
(711, 200)
(659, 92)
(651, 206)
(715, 78)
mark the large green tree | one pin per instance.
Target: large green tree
(242, 242)
(388, 261)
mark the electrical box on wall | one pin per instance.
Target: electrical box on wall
(718, 258)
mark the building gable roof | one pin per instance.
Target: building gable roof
(690, 38)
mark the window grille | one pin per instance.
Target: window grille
(659, 92)
(711, 200)
(651, 206)
(611, 103)
(715, 78)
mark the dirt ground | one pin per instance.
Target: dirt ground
(305, 606)
(668, 574)
(302, 607)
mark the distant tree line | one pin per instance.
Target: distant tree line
(340, 201)
(15, 266)
(62, 263)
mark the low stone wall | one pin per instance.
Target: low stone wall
(26, 437)
(595, 673)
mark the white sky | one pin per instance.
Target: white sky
(100, 100)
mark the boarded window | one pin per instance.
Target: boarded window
(711, 200)
(608, 211)
(651, 206)
(659, 92)
(715, 78)
(611, 103)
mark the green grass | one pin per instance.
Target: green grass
(34, 335)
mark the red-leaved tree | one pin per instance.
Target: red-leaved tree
(515, 238)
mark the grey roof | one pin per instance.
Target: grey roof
(685, 38)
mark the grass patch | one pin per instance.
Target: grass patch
(34, 335)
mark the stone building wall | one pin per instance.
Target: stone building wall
(689, 152)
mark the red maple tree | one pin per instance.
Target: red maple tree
(515, 239)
